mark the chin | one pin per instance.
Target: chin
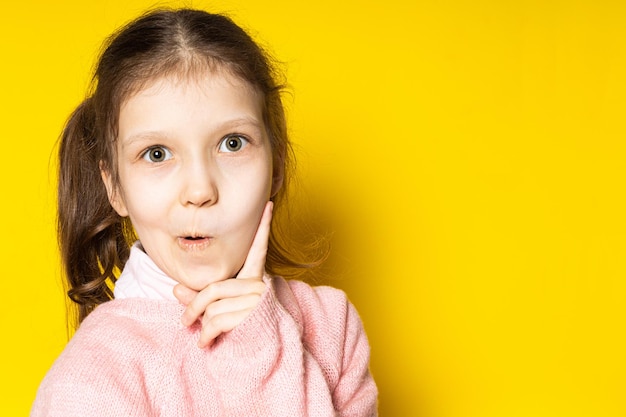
(200, 278)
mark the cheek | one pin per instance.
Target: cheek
(248, 184)
(144, 203)
(245, 208)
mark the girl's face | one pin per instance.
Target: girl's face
(195, 172)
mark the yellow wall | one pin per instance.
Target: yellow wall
(469, 155)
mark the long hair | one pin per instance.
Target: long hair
(94, 240)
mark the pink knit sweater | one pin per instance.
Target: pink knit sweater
(301, 352)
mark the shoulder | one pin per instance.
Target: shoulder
(332, 330)
(125, 328)
(119, 329)
(315, 308)
(132, 316)
(110, 350)
(318, 298)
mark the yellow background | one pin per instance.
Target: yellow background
(467, 153)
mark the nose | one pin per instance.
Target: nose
(199, 184)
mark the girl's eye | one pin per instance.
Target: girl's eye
(157, 154)
(233, 143)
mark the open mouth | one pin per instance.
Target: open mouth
(194, 242)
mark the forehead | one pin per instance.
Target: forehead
(195, 79)
(210, 99)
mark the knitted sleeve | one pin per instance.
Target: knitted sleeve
(303, 352)
(334, 334)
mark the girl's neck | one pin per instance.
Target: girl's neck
(142, 278)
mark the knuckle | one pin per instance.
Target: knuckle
(255, 298)
(260, 287)
(211, 311)
(218, 322)
(191, 311)
(211, 291)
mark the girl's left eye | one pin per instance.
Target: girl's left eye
(157, 154)
(233, 143)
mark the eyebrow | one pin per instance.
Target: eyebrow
(139, 137)
(242, 121)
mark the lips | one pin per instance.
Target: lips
(193, 243)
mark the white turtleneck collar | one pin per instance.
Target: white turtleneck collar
(142, 278)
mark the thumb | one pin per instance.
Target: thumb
(183, 294)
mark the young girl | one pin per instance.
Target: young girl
(182, 145)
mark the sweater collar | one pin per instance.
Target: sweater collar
(142, 278)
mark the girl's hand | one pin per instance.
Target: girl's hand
(225, 304)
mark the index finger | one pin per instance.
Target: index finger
(254, 266)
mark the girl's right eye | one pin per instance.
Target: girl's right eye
(157, 154)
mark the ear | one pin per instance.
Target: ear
(277, 181)
(112, 191)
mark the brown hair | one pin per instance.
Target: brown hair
(94, 239)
